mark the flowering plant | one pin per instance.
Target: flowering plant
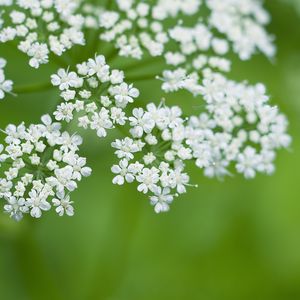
(235, 128)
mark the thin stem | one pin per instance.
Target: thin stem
(122, 130)
(59, 61)
(33, 88)
(141, 63)
(142, 78)
(112, 55)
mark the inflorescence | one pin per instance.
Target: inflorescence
(42, 166)
(237, 130)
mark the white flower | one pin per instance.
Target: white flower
(173, 80)
(98, 94)
(148, 179)
(15, 208)
(37, 203)
(124, 94)
(238, 129)
(124, 172)
(65, 79)
(79, 165)
(118, 116)
(64, 112)
(166, 140)
(161, 200)
(126, 148)
(141, 122)
(63, 179)
(40, 161)
(221, 137)
(56, 23)
(63, 204)
(149, 158)
(101, 121)
(179, 180)
(116, 76)
(98, 67)
(39, 53)
(247, 162)
(70, 142)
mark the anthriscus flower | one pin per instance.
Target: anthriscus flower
(94, 93)
(41, 27)
(153, 155)
(239, 127)
(188, 45)
(41, 165)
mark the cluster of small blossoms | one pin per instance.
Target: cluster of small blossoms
(187, 60)
(239, 128)
(154, 154)
(133, 28)
(242, 23)
(136, 26)
(6, 86)
(95, 93)
(41, 27)
(42, 167)
(172, 8)
(229, 25)
(232, 25)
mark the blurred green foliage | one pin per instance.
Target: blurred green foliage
(232, 240)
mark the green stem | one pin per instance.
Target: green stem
(142, 63)
(122, 130)
(142, 78)
(33, 88)
(59, 61)
(112, 55)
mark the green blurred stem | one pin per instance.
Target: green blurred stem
(122, 130)
(142, 63)
(33, 88)
(112, 55)
(142, 78)
(59, 61)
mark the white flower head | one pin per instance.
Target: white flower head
(42, 27)
(102, 100)
(153, 174)
(41, 164)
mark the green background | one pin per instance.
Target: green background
(234, 239)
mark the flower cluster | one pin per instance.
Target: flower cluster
(193, 44)
(239, 127)
(41, 165)
(232, 25)
(242, 23)
(189, 57)
(170, 8)
(154, 154)
(6, 86)
(97, 94)
(41, 27)
(133, 28)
